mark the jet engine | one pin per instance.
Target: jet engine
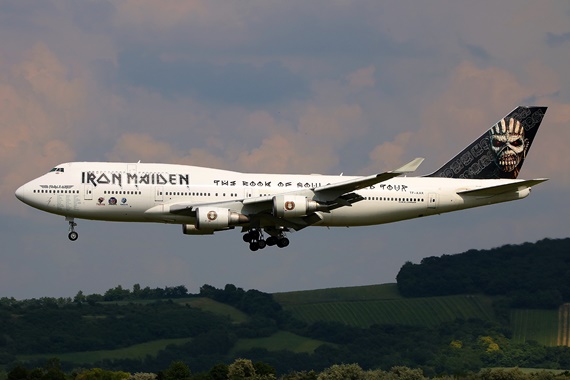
(210, 219)
(216, 218)
(291, 206)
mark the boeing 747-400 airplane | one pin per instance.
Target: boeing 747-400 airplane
(267, 206)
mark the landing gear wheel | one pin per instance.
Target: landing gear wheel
(261, 244)
(72, 234)
(254, 246)
(247, 237)
(271, 241)
(283, 242)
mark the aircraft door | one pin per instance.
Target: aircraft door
(88, 192)
(158, 197)
(433, 200)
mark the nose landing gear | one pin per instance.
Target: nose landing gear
(72, 234)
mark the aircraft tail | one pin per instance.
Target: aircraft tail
(499, 152)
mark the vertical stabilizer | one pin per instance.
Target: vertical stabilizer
(500, 152)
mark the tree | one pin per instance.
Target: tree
(117, 294)
(342, 372)
(218, 372)
(406, 373)
(53, 370)
(18, 373)
(79, 297)
(264, 369)
(143, 376)
(241, 369)
(502, 374)
(177, 371)
(101, 374)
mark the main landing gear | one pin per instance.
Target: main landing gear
(256, 240)
(72, 234)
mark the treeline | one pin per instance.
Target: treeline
(245, 369)
(528, 275)
(138, 293)
(117, 293)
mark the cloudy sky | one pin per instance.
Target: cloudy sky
(321, 86)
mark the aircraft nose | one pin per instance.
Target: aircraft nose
(21, 193)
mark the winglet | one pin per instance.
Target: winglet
(411, 166)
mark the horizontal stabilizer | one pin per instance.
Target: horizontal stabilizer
(501, 189)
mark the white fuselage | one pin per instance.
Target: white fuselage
(141, 192)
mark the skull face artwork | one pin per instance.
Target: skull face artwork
(509, 145)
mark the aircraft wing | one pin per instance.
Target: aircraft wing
(501, 189)
(335, 190)
(332, 196)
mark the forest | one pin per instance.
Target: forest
(530, 275)
(35, 333)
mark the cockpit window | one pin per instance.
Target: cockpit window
(58, 170)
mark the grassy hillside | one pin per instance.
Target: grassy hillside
(279, 341)
(202, 303)
(355, 293)
(137, 351)
(363, 306)
(216, 307)
(547, 327)
(538, 325)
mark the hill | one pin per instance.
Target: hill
(523, 286)
(529, 275)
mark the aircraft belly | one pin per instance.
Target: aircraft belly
(373, 212)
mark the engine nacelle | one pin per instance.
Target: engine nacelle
(291, 206)
(190, 229)
(216, 218)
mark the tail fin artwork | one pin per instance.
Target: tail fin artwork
(501, 151)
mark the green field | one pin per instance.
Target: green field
(355, 293)
(202, 303)
(279, 341)
(216, 307)
(538, 325)
(137, 351)
(363, 306)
